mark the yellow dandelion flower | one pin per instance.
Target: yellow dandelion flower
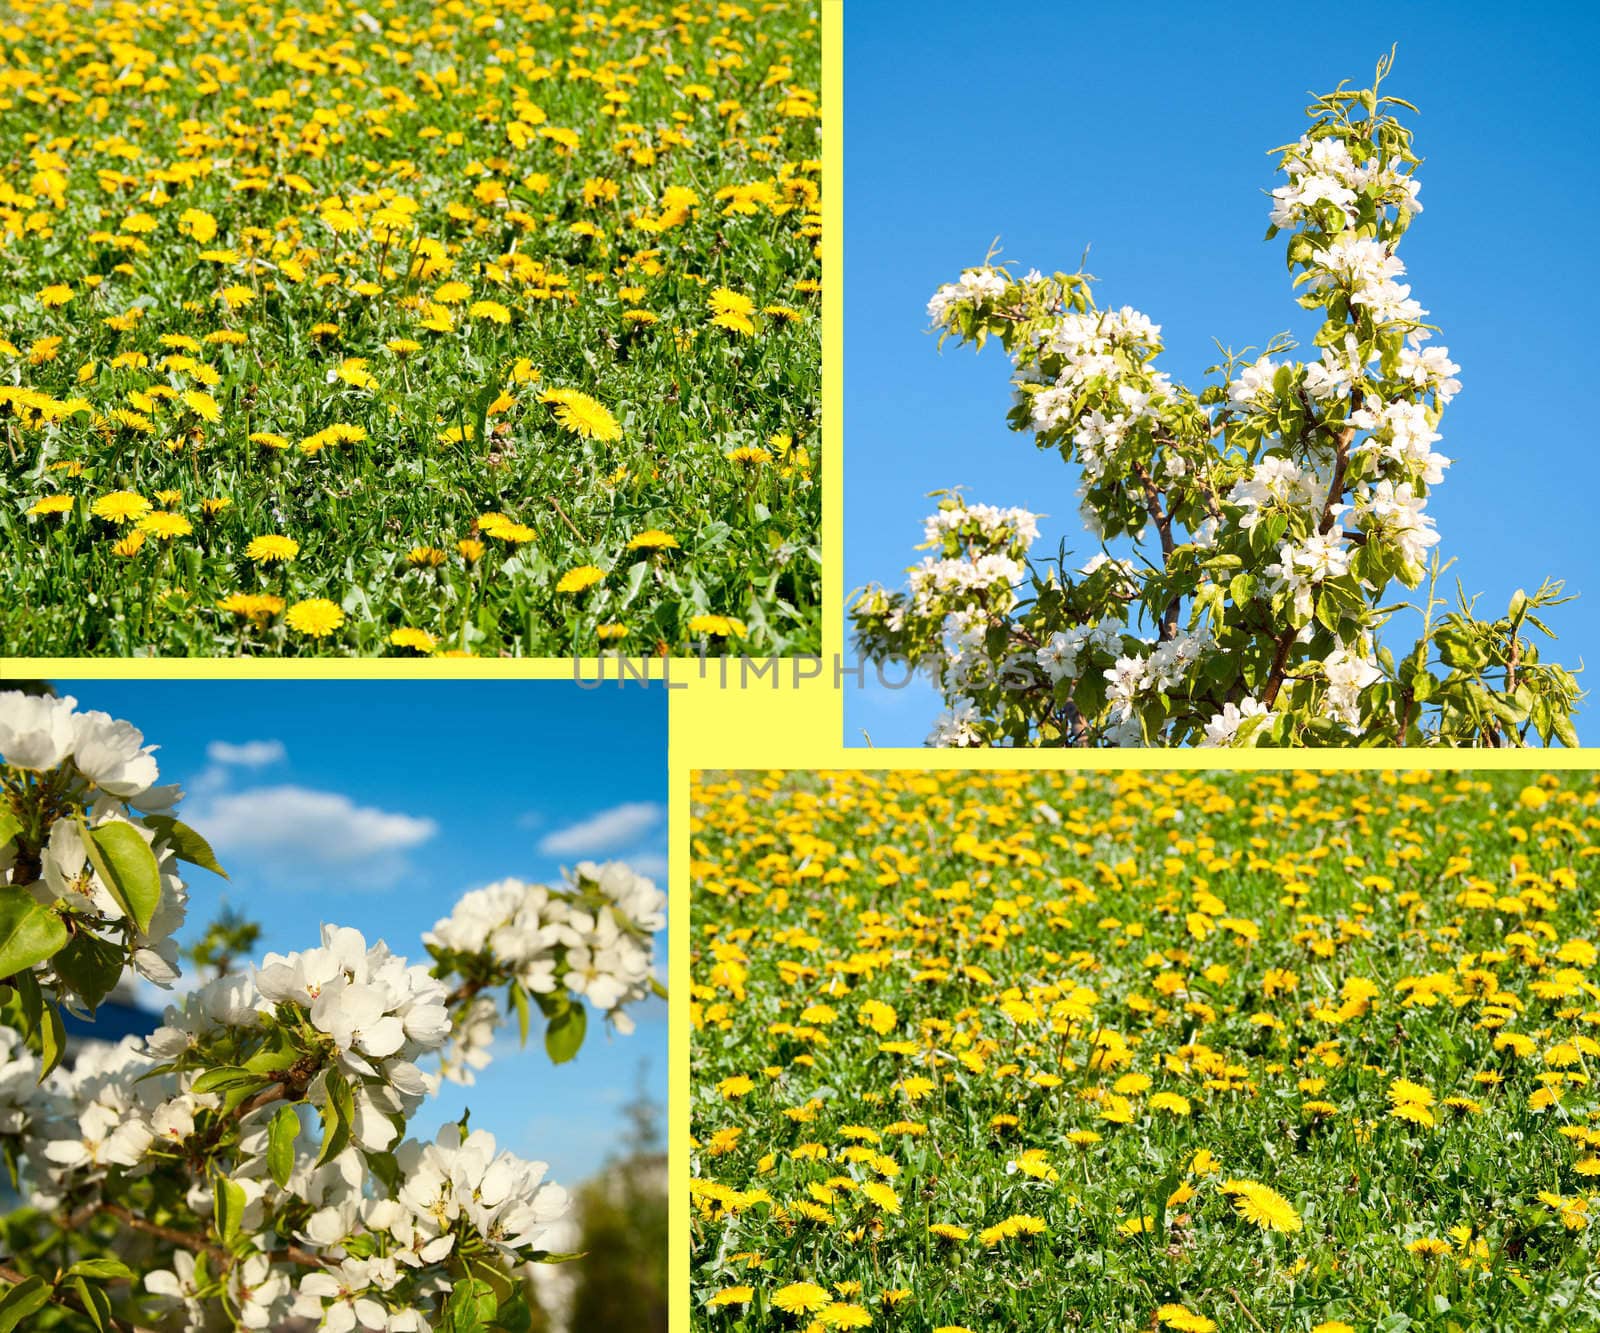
(121, 507)
(259, 607)
(165, 526)
(726, 301)
(490, 310)
(801, 1298)
(882, 1195)
(1261, 1205)
(203, 405)
(1181, 1319)
(736, 1086)
(52, 504)
(582, 415)
(581, 578)
(722, 627)
(652, 540)
(316, 617)
(418, 640)
(270, 548)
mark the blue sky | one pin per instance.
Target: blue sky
(377, 804)
(1142, 134)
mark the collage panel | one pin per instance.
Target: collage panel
(408, 330)
(405, 927)
(1143, 1050)
(1300, 490)
(305, 1025)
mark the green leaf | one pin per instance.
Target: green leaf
(280, 1144)
(278, 1053)
(338, 1114)
(564, 1036)
(96, 1304)
(128, 867)
(551, 1257)
(227, 1200)
(513, 1315)
(30, 999)
(107, 1270)
(185, 843)
(29, 931)
(519, 1002)
(227, 1079)
(26, 1298)
(10, 826)
(91, 966)
(52, 1041)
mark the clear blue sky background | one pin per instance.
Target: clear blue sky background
(452, 785)
(1142, 133)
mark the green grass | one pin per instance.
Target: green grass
(353, 164)
(1029, 966)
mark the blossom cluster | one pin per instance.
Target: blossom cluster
(590, 939)
(1268, 513)
(270, 1112)
(102, 766)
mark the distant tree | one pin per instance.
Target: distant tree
(622, 1278)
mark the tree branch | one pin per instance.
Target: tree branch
(69, 1301)
(1163, 521)
(187, 1240)
(1341, 464)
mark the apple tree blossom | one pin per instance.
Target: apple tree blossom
(1261, 523)
(253, 1163)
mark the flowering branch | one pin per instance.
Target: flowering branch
(1285, 500)
(257, 1143)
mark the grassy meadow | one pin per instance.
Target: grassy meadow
(404, 328)
(1145, 1051)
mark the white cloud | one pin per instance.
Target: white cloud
(604, 832)
(249, 754)
(283, 827)
(651, 864)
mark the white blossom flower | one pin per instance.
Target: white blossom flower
(36, 731)
(1224, 726)
(112, 755)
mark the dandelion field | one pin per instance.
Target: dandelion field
(1142, 1051)
(487, 328)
